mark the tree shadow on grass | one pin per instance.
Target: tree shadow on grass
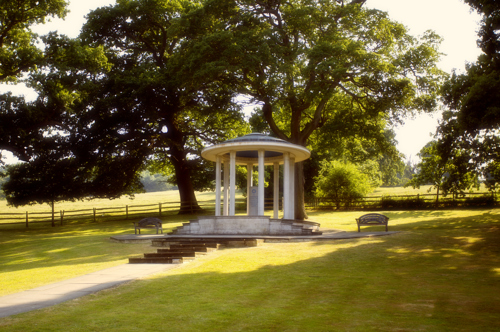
(39, 255)
(437, 274)
(433, 279)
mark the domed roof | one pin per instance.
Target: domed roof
(247, 148)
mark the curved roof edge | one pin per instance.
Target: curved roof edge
(255, 142)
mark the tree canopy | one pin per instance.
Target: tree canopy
(18, 55)
(18, 50)
(155, 80)
(471, 121)
(125, 95)
(446, 173)
(473, 96)
(310, 63)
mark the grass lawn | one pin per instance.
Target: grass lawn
(440, 273)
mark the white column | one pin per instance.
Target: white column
(286, 185)
(232, 183)
(249, 185)
(292, 188)
(261, 182)
(226, 188)
(217, 185)
(276, 203)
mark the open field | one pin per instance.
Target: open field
(165, 196)
(139, 199)
(440, 273)
(168, 201)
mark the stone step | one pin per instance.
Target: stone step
(176, 248)
(214, 245)
(185, 255)
(187, 244)
(157, 260)
(177, 251)
(181, 252)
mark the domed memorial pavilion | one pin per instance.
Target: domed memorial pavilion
(252, 150)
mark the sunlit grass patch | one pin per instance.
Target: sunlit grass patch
(440, 272)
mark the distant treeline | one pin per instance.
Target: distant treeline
(155, 182)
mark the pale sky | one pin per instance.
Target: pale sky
(451, 19)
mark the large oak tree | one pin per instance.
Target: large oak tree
(308, 62)
(144, 102)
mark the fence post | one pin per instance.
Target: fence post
(126, 212)
(26, 219)
(53, 215)
(159, 205)
(61, 212)
(95, 211)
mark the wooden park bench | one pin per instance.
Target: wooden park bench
(372, 219)
(148, 223)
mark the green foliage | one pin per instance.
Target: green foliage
(480, 201)
(449, 172)
(53, 180)
(372, 145)
(128, 89)
(492, 176)
(305, 72)
(157, 80)
(409, 170)
(342, 182)
(18, 49)
(472, 122)
(406, 203)
(371, 169)
(473, 96)
(3, 179)
(325, 64)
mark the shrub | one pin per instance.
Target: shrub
(403, 203)
(483, 200)
(342, 182)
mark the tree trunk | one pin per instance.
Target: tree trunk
(300, 208)
(189, 203)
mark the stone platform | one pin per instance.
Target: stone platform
(247, 225)
(327, 235)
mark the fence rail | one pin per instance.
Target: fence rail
(165, 208)
(418, 201)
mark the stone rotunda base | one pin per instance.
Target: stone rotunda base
(246, 225)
